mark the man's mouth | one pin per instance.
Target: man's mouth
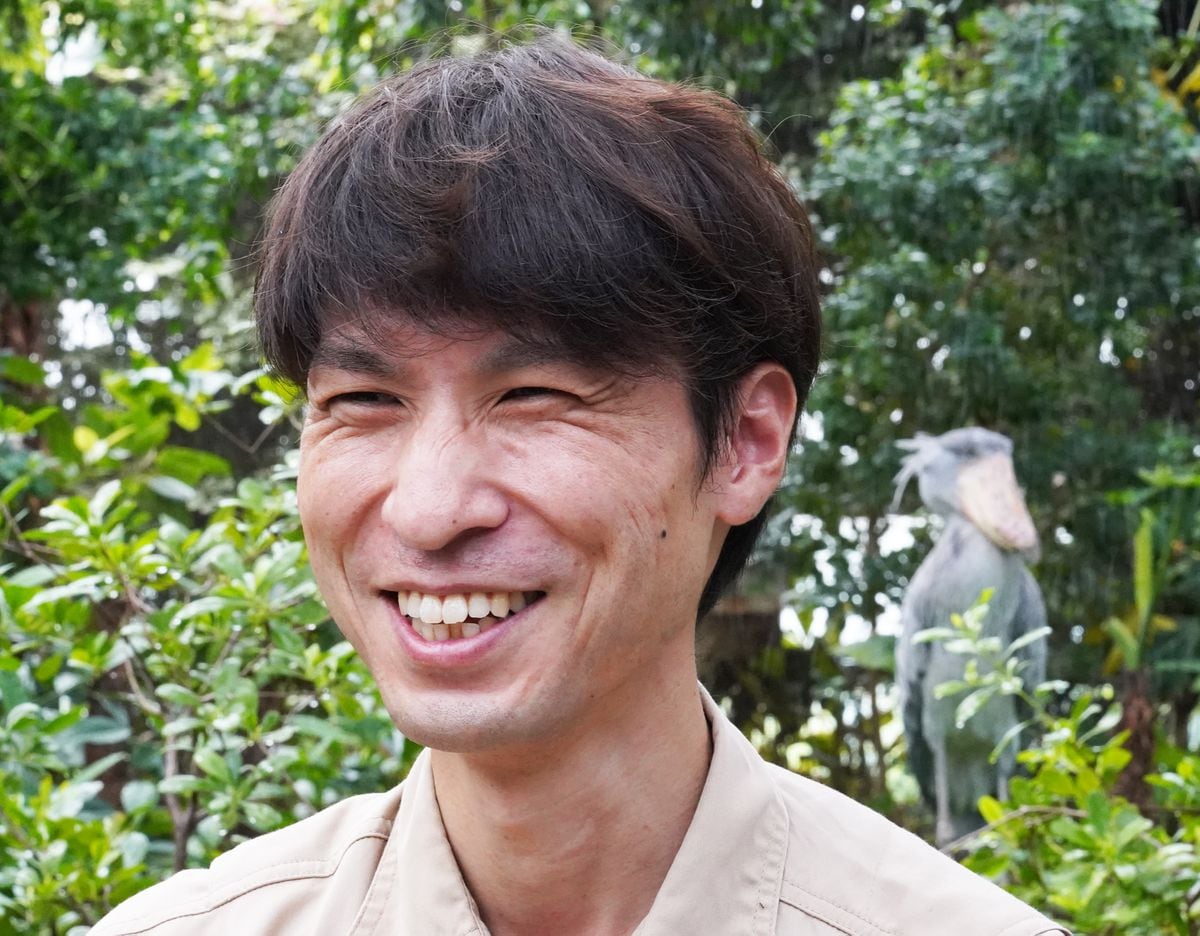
(456, 616)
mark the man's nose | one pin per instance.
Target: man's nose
(441, 489)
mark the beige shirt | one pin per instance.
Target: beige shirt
(767, 852)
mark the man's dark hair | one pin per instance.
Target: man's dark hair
(548, 192)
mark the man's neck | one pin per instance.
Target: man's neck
(579, 838)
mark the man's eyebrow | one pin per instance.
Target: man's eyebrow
(351, 356)
(515, 354)
(357, 357)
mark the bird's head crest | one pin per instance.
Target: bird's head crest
(922, 449)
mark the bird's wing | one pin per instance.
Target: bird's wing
(912, 667)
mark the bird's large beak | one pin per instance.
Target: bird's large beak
(990, 498)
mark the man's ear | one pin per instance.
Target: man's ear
(757, 447)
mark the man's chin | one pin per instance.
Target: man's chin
(470, 725)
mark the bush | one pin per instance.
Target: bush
(1065, 840)
(170, 683)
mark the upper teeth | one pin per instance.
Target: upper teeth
(455, 609)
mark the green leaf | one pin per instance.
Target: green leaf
(1010, 736)
(99, 766)
(935, 634)
(213, 764)
(187, 416)
(1125, 641)
(64, 721)
(85, 438)
(969, 707)
(171, 488)
(33, 576)
(22, 370)
(209, 604)
(990, 809)
(178, 726)
(14, 489)
(190, 465)
(24, 423)
(101, 729)
(134, 848)
(102, 500)
(322, 729)
(1098, 811)
(950, 688)
(178, 695)
(90, 586)
(990, 866)
(138, 794)
(181, 784)
(1025, 640)
(1177, 666)
(204, 358)
(286, 638)
(48, 668)
(68, 800)
(1113, 759)
(20, 715)
(261, 816)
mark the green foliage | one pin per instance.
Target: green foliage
(1011, 231)
(1160, 628)
(169, 681)
(1064, 839)
(1008, 199)
(991, 669)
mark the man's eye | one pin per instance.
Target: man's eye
(531, 393)
(363, 398)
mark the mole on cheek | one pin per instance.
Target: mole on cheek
(662, 535)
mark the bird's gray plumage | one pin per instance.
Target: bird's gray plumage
(966, 476)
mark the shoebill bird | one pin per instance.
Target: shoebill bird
(967, 477)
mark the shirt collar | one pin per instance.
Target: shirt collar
(728, 873)
(726, 877)
(418, 888)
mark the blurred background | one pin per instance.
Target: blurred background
(1008, 205)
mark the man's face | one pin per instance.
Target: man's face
(433, 468)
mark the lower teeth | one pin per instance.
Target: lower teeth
(435, 633)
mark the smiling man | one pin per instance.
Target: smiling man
(554, 320)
